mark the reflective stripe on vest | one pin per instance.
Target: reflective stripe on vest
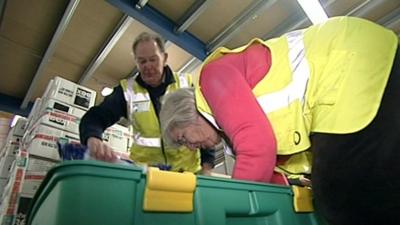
(183, 83)
(147, 142)
(131, 98)
(296, 89)
(129, 95)
(301, 72)
(210, 119)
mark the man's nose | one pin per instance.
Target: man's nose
(146, 65)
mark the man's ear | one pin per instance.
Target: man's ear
(165, 58)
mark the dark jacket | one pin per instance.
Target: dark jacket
(114, 106)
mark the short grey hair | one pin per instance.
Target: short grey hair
(178, 109)
(149, 37)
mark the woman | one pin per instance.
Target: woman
(331, 89)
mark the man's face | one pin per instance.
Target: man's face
(150, 62)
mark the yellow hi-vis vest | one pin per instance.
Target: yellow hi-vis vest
(328, 78)
(147, 145)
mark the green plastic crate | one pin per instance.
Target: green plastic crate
(96, 193)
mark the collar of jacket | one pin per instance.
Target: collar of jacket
(167, 79)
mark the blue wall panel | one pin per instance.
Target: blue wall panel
(12, 105)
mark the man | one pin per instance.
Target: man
(139, 99)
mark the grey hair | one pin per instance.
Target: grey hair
(144, 36)
(178, 109)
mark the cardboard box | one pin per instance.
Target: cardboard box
(32, 181)
(42, 129)
(70, 93)
(11, 149)
(10, 199)
(6, 163)
(3, 141)
(117, 137)
(39, 164)
(42, 141)
(11, 139)
(35, 108)
(17, 169)
(32, 117)
(3, 182)
(53, 105)
(11, 145)
(47, 106)
(20, 127)
(61, 121)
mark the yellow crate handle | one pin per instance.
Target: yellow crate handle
(302, 199)
(169, 191)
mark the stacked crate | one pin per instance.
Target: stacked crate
(119, 138)
(54, 116)
(10, 149)
(30, 152)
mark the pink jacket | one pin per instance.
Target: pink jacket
(227, 85)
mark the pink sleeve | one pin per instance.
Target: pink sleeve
(230, 97)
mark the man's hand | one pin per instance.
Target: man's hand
(206, 169)
(100, 151)
(305, 181)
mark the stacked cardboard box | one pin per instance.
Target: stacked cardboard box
(10, 149)
(12, 191)
(26, 175)
(11, 173)
(31, 148)
(56, 115)
(118, 138)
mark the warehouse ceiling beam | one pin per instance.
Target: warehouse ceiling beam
(391, 20)
(163, 26)
(234, 27)
(69, 12)
(295, 21)
(191, 15)
(12, 105)
(119, 30)
(367, 8)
